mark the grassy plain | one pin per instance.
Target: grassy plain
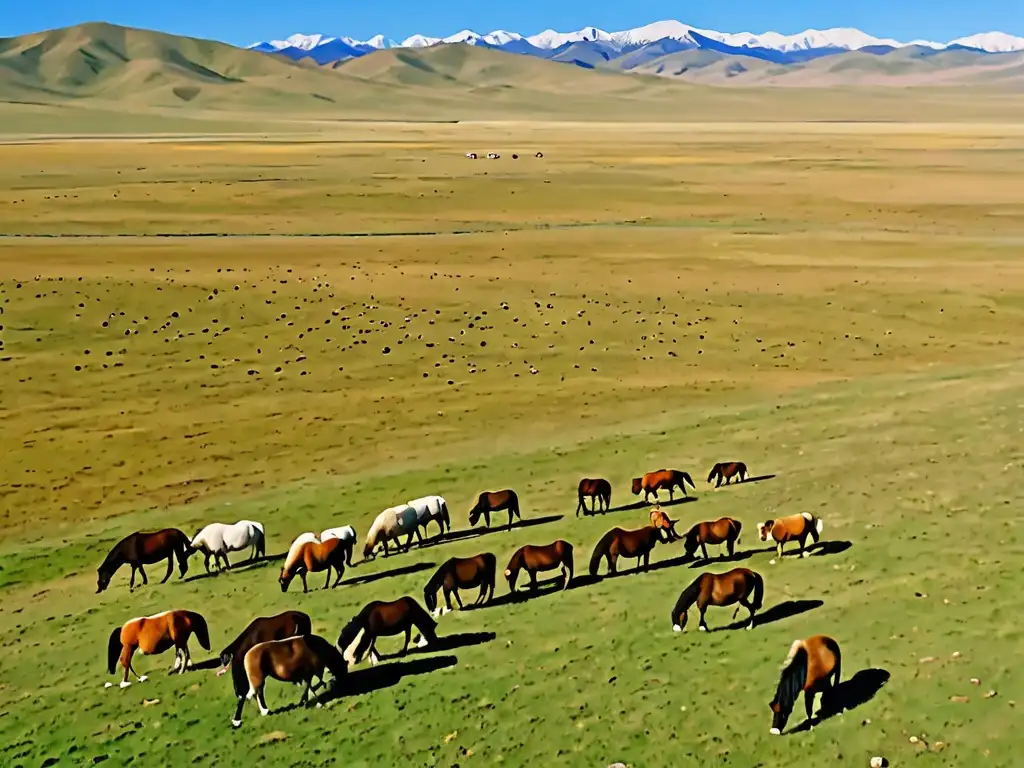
(839, 306)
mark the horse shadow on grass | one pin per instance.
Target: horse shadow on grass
(473, 533)
(643, 505)
(779, 612)
(756, 479)
(402, 571)
(826, 548)
(848, 695)
(243, 566)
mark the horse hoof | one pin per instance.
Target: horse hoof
(772, 561)
(436, 613)
(676, 628)
(264, 712)
(775, 732)
(108, 685)
(236, 723)
(806, 554)
(421, 643)
(143, 679)
(125, 685)
(703, 629)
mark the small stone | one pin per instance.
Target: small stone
(956, 654)
(150, 702)
(451, 737)
(926, 660)
(990, 694)
(959, 699)
(914, 739)
(975, 681)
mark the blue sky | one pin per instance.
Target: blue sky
(246, 21)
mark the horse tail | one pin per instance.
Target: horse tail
(603, 549)
(688, 479)
(735, 527)
(183, 546)
(833, 646)
(260, 540)
(794, 676)
(741, 469)
(239, 676)
(514, 504)
(715, 470)
(421, 619)
(686, 598)
(349, 545)
(567, 560)
(446, 516)
(757, 601)
(818, 525)
(199, 629)
(113, 650)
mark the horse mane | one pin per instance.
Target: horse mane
(294, 556)
(690, 542)
(714, 469)
(113, 650)
(602, 548)
(115, 556)
(794, 676)
(687, 598)
(423, 620)
(436, 580)
(332, 658)
(199, 628)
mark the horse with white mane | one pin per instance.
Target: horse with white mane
(218, 539)
(347, 534)
(389, 525)
(432, 508)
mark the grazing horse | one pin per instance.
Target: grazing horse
(812, 666)
(495, 501)
(600, 493)
(721, 589)
(218, 539)
(660, 519)
(726, 471)
(797, 527)
(389, 525)
(152, 635)
(139, 549)
(261, 629)
(313, 557)
(619, 542)
(432, 508)
(724, 530)
(662, 479)
(297, 660)
(546, 558)
(461, 573)
(347, 535)
(384, 619)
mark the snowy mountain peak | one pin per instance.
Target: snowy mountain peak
(549, 39)
(993, 42)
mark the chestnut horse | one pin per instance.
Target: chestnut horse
(662, 479)
(152, 635)
(313, 557)
(461, 573)
(619, 542)
(812, 666)
(660, 519)
(600, 493)
(798, 527)
(724, 530)
(726, 471)
(139, 549)
(532, 559)
(287, 624)
(495, 501)
(299, 660)
(721, 589)
(384, 619)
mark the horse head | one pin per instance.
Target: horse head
(102, 580)
(511, 575)
(285, 579)
(476, 511)
(780, 715)
(691, 543)
(764, 529)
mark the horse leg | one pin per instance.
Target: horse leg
(704, 550)
(206, 561)
(533, 581)
(131, 585)
(340, 571)
(227, 563)
(447, 599)
(236, 721)
(809, 703)
(778, 550)
(170, 569)
(305, 693)
(803, 543)
(408, 636)
(186, 659)
(374, 656)
(177, 661)
(730, 545)
(305, 587)
(328, 582)
(703, 625)
(458, 599)
(261, 699)
(750, 608)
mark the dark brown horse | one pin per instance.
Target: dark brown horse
(812, 666)
(260, 630)
(153, 635)
(495, 501)
(739, 586)
(313, 557)
(619, 542)
(726, 471)
(724, 530)
(794, 527)
(461, 573)
(662, 479)
(533, 559)
(139, 549)
(300, 659)
(384, 619)
(600, 493)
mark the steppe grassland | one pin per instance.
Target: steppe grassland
(839, 306)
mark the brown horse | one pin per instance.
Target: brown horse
(301, 659)
(660, 519)
(313, 557)
(662, 479)
(139, 549)
(600, 493)
(495, 501)
(152, 635)
(461, 573)
(721, 589)
(726, 471)
(798, 527)
(533, 559)
(384, 619)
(724, 530)
(812, 666)
(287, 624)
(619, 542)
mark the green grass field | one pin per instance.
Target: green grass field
(840, 306)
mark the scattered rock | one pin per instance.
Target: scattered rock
(272, 737)
(959, 699)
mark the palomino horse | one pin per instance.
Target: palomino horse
(313, 557)
(721, 589)
(660, 519)
(139, 549)
(301, 659)
(152, 635)
(432, 508)
(218, 539)
(389, 525)
(797, 527)
(346, 534)
(726, 471)
(812, 666)
(461, 573)
(662, 479)
(383, 619)
(600, 493)
(532, 559)
(495, 501)
(261, 629)
(619, 542)
(724, 530)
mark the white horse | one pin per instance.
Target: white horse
(389, 525)
(432, 508)
(347, 534)
(218, 539)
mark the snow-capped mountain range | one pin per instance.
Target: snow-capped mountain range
(773, 46)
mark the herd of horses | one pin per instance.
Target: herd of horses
(282, 647)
